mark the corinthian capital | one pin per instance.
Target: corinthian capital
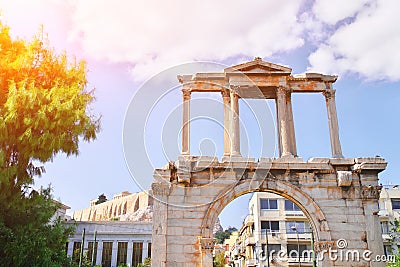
(186, 94)
(281, 90)
(329, 94)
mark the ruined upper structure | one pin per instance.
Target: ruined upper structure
(124, 206)
(263, 80)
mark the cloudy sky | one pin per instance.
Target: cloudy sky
(125, 42)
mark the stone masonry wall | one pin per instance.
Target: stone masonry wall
(339, 197)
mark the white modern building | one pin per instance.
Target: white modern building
(274, 225)
(277, 224)
(114, 232)
(115, 242)
(389, 211)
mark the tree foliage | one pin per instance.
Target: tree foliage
(222, 235)
(395, 239)
(219, 259)
(43, 111)
(101, 199)
(32, 240)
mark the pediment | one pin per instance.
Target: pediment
(257, 66)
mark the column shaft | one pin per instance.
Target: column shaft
(227, 123)
(114, 253)
(278, 128)
(292, 135)
(235, 126)
(186, 123)
(144, 250)
(333, 123)
(129, 252)
(99, 257)
(282, 122)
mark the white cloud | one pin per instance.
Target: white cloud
(368, 46)
(26, 17)
(156, 34)
(332, 12)
(359, 36)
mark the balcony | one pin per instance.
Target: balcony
(250, 240)
(383, 213)
(302, 236)
(251, 262)
(386, 237)
(249, 220)
(294, 213)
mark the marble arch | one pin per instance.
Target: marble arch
(339, 195)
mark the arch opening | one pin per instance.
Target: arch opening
(274, 228)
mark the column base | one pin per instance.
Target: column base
(287, 155)
(337, 156)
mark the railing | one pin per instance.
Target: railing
(383, 213)
(294, 213)
(251, 262)
(250, 240)
(302, 236)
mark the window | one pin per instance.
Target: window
(149, 250)
(268, 204)
(107, 254)
(77, 251)
(301, 227)
(290, 206)
(122, 252)
(385, 227)
(294, 253)
(396, 204)
(388, 250)
(137, 253)
(90, 251)
(269, 226)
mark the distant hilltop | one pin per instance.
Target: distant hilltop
(124, 206)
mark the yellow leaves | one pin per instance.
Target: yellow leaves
(43, 100)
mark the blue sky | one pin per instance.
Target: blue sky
(127, 42)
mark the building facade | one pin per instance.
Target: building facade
(117, 231)
(281, 224)
(389, 212)
(275, 230)
(115, 242)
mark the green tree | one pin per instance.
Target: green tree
(101, 199)
(395, 238)
(219, 259)
(222, 235)
(146, 263)
(44, 110)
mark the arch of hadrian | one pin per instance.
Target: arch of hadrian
(338, 195)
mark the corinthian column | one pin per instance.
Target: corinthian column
(292, 135)
(282, 122)
(186, 123)
(227, 122)
(333, 123)
(235, 126)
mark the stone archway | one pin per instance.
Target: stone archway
(339, 195)
(309, 207)
(184, 213)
